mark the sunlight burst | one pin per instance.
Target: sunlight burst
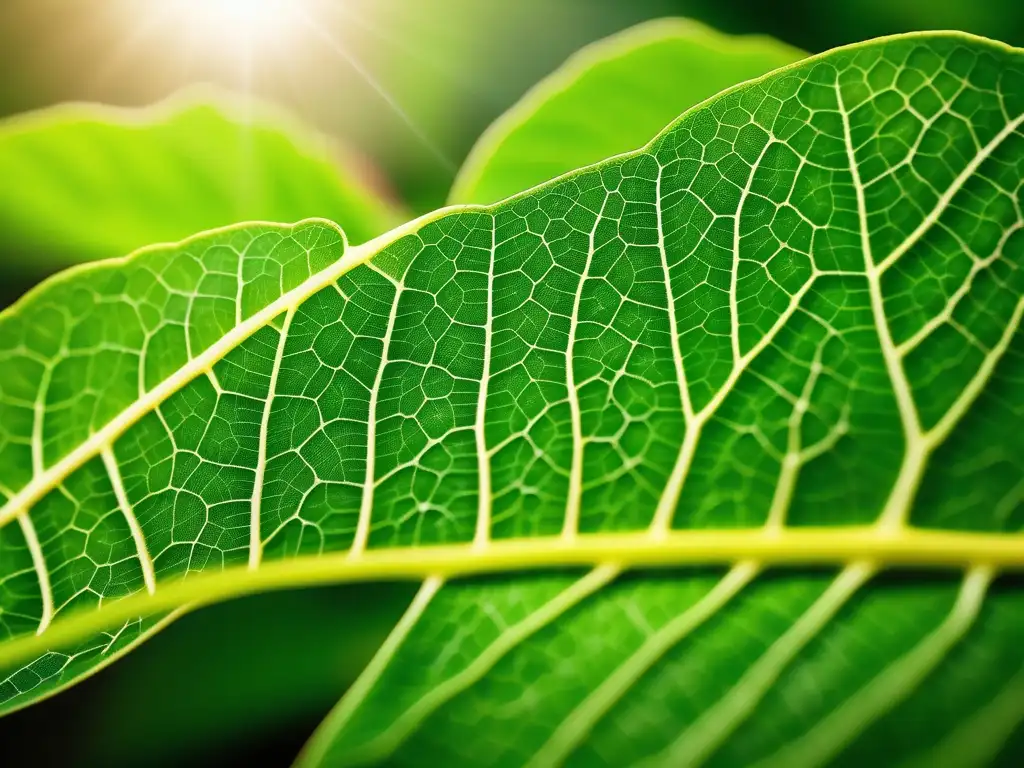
(235, 23)
(254, 45)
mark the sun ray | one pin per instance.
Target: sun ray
(381, 91)
(144, 29)
(382, 34)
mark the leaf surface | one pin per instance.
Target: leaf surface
(638, 81)
(120, 179)
(656, 434)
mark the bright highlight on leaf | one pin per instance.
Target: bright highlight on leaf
(658, 436)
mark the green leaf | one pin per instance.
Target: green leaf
(637, 81)
(707, 453)
(119, 179)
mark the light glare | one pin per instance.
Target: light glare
(250, 44)
(235, 23)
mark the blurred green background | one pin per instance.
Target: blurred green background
(407, 86)
(451, 66)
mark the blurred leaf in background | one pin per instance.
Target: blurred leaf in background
(94, 182)
(552, 129)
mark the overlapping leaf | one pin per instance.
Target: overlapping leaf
(785, 333)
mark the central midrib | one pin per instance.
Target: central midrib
(792, 547)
